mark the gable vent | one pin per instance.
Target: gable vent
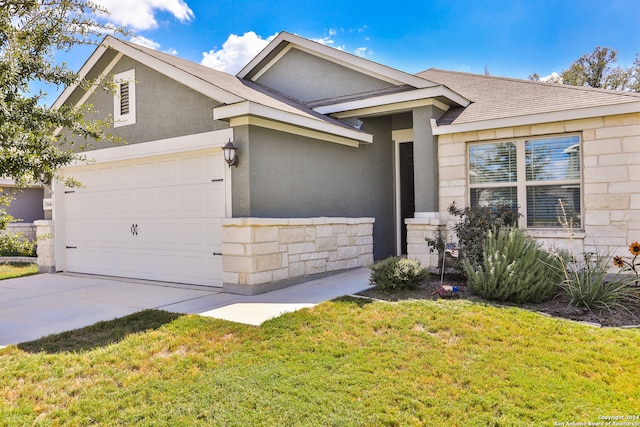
(124, 98)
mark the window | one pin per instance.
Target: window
(124, 100)
(540, 177)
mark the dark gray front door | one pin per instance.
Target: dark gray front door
(407, 196)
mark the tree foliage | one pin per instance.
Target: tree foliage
(598, 69)
(31, 32)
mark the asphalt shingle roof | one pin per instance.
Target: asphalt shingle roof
(244, 89)
(499, 97)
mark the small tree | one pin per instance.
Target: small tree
(598, 70)
(31, 33)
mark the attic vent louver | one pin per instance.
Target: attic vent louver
(124, 98)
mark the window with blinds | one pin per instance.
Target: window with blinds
(539, 177)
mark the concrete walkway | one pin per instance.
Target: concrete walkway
(35, 306)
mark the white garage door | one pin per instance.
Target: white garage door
(157, 218)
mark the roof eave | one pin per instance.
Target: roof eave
(389, 99)
(532, 119)
(338, 56)
(189, 80)
(250, 109)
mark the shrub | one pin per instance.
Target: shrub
(514, 269)
(589, 284)
(15, 244)
(472, 229)
(397, 273)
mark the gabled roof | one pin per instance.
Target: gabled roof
(285, 40)
(406, 89)
(225, 88)
(501, 102)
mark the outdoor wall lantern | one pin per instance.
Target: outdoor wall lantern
(230, 155)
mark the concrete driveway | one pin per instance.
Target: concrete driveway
(35, 306)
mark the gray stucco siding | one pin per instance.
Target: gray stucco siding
(292, 177)
(165, 108)
(27, 205)
(308, 78)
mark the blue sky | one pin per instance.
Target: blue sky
(510, 38)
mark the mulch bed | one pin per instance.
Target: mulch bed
(556, 307)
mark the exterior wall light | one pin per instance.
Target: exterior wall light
(230, 155)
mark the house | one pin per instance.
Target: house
(26, 207)
(341, 161)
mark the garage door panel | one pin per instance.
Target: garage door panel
(149, 219)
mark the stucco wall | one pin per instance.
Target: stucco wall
(308, 78)
(165, 108)
(610, 185)
(27, 205)
(289, 176)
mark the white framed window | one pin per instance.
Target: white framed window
(540, 177)
(124, 99)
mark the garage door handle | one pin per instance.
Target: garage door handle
(72, 247)
(217, 254)
(134, 229)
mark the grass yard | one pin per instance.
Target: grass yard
(11, 270)
(348, 362)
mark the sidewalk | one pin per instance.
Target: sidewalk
(35, 306)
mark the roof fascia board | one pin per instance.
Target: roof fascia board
(84, 70)
(179, 144)
(345, 59)
(532, 119)
(170, 71)
(247, 108)
(376, 101)
(91, 89)
(391, 108)
(295, 130)
(175, 73)
(102, 76)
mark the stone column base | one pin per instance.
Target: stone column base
(46, 246)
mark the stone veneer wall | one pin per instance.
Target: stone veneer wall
(417, 230)
(261, 254)
(46, 249)
(26, 228)
(610, 186)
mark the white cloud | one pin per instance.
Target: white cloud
(140, 14)
(326, 40)
(236, 52)
(143, 41)
(551, 78)
(363, 51)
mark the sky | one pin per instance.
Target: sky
(505, 38)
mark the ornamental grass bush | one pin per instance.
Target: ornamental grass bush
(590, 285)
(514, 269)
(396, 273)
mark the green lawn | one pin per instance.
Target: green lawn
(11, 270)
(343, 363)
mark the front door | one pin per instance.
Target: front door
(407, 197)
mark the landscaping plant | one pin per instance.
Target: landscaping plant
(514, 268)
(629, 265)
(589, 284)
(472, 228)
(15, 244)
(397, 273)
